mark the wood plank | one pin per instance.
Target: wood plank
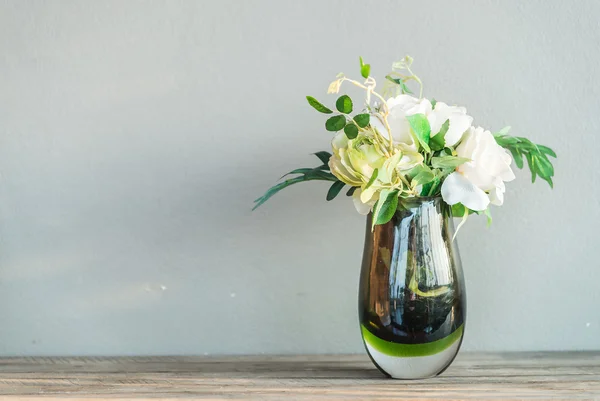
(551, 375)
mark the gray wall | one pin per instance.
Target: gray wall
(135, 135)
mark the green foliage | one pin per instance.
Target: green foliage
(373, 178)
(431, 187)
(323, 156)
(351, 130)
(306, 174)
(421, 129)
(433, 103)
(335, 123)
(438, 141)
(351, 191)
(399, 82)
(362, 120)
(458, 210)
(536, 155)
(344, 104)
(334, 190)
(385, 207)
(450, 162)
(317, 105)
(365, 69)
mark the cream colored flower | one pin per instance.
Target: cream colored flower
(354, 162)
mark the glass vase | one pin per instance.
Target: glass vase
(412, 296)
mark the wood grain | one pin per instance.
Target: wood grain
(569, 376)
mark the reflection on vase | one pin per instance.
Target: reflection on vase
(412, 298)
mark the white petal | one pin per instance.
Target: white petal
(362, 208)
(457, 127)
(458, 189)
(497, 194)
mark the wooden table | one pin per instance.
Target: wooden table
(327, 377)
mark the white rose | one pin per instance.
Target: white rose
(480, 181)
(458, 122)
(403, 106)
(399, 108)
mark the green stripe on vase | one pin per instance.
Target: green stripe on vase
(410, 350)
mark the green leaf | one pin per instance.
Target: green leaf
(334, 190)
(399, 82)
(433, 103)
(546, 150)
(422, 178)
(311, 174)
(372, 179)
(405, 88)
(344, 104)
(488, 214)
(422, 130)
(297, 171)
(365, 69)
(503, 131)
(385, 207)
(458, 210)
(532, 166)
(351, 130)
(437, 142)
(362, 120)
(517, 157)
(323, 156)
(351, 191)
(335, 123)
(431, 187)
(448, 161)
(317, 105)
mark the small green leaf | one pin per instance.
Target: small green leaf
(317, 105)
(334, 190)
(532, 166)
(399, 82)
(362, 120)
(351, 130)
(422, 178)
(323, 156)
(335, 123)
(351, 191)
(503, 131)
(386, 206)
(365, 69)
(488, 214)
(438, 141)
(545, 168)
(433, 103)
(458, 210)
(517, 157)
(431, 187)
(448, 161)
(405, 88)
(372, 179)
(546, 150)
(344, 104)
(505, 141)
(422, 130)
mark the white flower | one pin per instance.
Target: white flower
(399, 108)
(458, 122)
(480, 181)
(403, 106)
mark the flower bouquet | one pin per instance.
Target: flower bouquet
(411, 164)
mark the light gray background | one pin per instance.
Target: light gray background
(134, 136)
